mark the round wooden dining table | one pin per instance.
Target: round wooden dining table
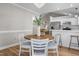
(29, 37)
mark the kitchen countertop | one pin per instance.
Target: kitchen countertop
(65, 30)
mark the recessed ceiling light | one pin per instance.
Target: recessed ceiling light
(66, 13)
(69, 14)
(58, 8)
(76, 15)
(71, 5)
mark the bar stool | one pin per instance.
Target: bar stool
(76, 36)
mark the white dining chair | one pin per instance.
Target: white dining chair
(24, 44)
(54, 44)
(39, 47)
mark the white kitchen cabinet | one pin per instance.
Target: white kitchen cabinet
(64, 19)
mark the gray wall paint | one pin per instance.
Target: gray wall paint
(13, 18)
(8, 39)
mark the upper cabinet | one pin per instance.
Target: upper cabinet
(64, 20)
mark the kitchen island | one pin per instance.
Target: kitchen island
(66, 36)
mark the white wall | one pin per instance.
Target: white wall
(13, 18)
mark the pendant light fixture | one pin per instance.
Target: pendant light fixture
(76, 15)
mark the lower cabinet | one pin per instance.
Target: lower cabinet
(66, 36)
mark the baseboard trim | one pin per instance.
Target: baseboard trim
(8, 46)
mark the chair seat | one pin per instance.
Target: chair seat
(26, 44)
(52, 45)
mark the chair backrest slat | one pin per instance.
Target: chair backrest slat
(39, 45)
(57, 38)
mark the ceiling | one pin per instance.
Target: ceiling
(60, 9)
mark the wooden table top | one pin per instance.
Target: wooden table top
(29, 37)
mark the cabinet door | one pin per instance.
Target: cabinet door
(65, 38)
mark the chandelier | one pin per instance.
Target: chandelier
(39, 5)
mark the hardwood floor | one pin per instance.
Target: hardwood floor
(14, 51)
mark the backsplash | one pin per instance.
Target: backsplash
(72, 27)
(61, 27)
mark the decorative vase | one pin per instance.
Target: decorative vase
(45, 26)
(38, 31)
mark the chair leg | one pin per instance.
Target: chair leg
(78, 41)
(30, 52)
(20, 51)
(57, 52)
(70, 42)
